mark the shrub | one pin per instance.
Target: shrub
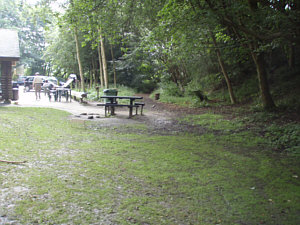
(286, 137)
(171, 89)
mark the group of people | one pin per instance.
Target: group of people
(38, 83)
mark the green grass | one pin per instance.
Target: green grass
(78, 173)
(213, 122)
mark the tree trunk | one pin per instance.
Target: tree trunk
(91, 78)
(291, 56)
(222, 65)
(100, 66)
(265, 94)
(78, 59)
(114, 66)
(94, 71)
(104, 63)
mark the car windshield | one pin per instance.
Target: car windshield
(29, 79)
(52, 79)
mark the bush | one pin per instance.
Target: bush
(286, 137)
(171, 89)
(144, 85)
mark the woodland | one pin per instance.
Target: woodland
(224, 51)
(226, 151)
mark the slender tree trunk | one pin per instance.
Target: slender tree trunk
(94, 71)
(291, 56)
(222, 65)
(100, 66)
(265, 94)
(114, 66)
(91, 78)
(78, 59)
(104, 63)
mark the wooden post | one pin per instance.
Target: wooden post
(6, 81)
(97, 89)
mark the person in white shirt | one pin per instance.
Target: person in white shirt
(37, 85)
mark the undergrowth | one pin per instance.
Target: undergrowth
(263, 128)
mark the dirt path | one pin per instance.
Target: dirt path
(159, 117)
(155, 114)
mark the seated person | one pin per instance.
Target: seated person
(47, 86)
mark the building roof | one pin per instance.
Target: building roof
(9, 45)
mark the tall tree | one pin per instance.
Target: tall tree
(103, 59)
(223, 68)
(253, 22)
(79, 58)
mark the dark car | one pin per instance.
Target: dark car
(28, 83)
(15, 84)
(21, 80)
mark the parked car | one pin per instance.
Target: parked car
(28, 83)
(15, 84)
(53, 80)
(21, 80)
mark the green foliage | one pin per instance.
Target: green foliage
(164, 41)
(247, 91)
(183, 101)
(284, 137)
(285, 88)
(30, 23)
(171, 89)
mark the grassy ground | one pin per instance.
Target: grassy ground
(80, 173)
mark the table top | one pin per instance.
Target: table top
(62, 88)
(122, 97)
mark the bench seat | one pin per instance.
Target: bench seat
(79, 95)
(142, 104)
(112, 105)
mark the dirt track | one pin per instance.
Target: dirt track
(155, 114)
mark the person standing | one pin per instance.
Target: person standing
(37, 85)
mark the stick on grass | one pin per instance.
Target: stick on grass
(13, 162)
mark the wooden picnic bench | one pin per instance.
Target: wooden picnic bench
(79, 95)
(139, 104)
(51, 92)
(110, 106)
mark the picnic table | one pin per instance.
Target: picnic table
(112, 103)
(63, 91)
(57, 92)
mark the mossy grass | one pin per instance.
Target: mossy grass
(84, 174)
